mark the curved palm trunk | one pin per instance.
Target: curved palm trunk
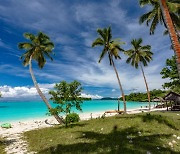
(120, 86)
(147, 88)
(172, 32)
(39, 91)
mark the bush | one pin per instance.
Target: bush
(72, 117)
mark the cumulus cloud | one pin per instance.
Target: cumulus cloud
(20, 92)
(27, 92)
(91, 96)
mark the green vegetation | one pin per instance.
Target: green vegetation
(140, 133)
(140, 56)
(66, 95)
(142, 97)
(112, 48)
(72, 118)
(37, 48)
(86, 99)
(170, 72)
(2, 146)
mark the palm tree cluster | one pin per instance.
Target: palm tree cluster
(139, 55)
(166, 12)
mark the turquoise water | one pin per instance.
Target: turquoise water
(13, 111)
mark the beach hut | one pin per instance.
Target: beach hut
(174, 99)
(158, 100)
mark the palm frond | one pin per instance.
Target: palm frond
(103, 53)
(25, 45)
(97, 42)
(29, 36)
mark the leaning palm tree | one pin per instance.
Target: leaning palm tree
(140, 56)
(112, 48)
(166, 12)
(36, 49)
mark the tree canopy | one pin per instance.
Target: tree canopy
(66, 95)
(170, 72)
(38, 47)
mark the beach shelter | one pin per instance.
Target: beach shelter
(174, 99)
(158, 100)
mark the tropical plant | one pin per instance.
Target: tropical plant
(140, 56)
(72, 117)
(166, 12)
(112, 48)
(66, 95)
(170, 72)
(37, 48)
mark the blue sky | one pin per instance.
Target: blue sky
(72, 27)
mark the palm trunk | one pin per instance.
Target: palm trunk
(39, 91)
(147, 88)
(120, 86)
(172, 32)
(118, 104)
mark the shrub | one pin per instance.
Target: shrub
(72, 117)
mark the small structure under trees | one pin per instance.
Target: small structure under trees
(159, 100)
(174, 99)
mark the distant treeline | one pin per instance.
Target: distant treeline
(86, 99)
(108, 98)
(142, 97)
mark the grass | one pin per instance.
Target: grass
(2, 146)
(138, 133)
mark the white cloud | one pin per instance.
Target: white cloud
(31, 92)
(91, 96)
(20, 92)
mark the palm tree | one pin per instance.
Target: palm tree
(166, 12)
(140, 55)
(172, 32)
(155, 15)
(112, 48)
(36, 49)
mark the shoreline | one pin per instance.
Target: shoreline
(21, 126)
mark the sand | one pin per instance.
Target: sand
(13, 135)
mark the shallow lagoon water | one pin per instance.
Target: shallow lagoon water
(14, 110)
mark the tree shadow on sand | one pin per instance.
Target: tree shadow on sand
(117, 141)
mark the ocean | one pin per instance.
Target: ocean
(22, 110)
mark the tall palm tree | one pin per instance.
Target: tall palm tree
(155, 16)
(112, 48)
(166, 12)
(37, 48)
(172, 32)
(140, 56)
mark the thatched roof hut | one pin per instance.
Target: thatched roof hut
(174, 99)
(172, 96)
(158, 99)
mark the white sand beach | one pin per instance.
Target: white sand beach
(14, 135)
